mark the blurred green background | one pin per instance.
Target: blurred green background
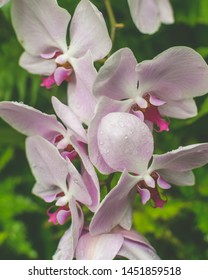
(180, 229)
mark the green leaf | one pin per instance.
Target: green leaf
(191, 12)
(13, 230)
(6, 157)
(203, 51)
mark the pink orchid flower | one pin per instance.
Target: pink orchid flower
(164, 86)
(3, 2)
(130, 151)
(107, 246)
(41, 28)
(147, 15)
(70, 139)
(57, 179)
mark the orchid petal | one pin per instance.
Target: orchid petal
(68, 243)
(80, 97)
(138, 114)
(30, 121)
(145, 15)
(65, 250)
(48, 193)
(77, 187)
(61, 74)
(101, 247)
(69, 119)
(62, 216)
(136, 251)
(183, 109)
(50, 55)
(125, 142)
(155, 101)
(162, 183)
(177, 73)
(37, 65)
(133, 236)
(126, 221)
(182, 159)
(145, 194)
(88, 31)
(166, 11)
(89, 175)
(40, 25)
(115, 205)
(93, 189)
(185, 178)
(106, 106)
(47, 165)
(117, 78)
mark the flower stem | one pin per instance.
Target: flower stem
(113, 22)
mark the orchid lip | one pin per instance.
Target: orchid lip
(62, 211)
(148, 192)
(53, 215)
(151, 112)
(48, 82)
(62, 72)
(67, 150)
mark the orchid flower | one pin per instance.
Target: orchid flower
(3, 2)
(70, 140)
(41, 28)
(57, 180)
(130, 146)
(147, 15)
(164, 86)
(107, 246)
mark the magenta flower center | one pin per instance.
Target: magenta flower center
(155, 196)
(62, 72)
(68, 151)
(152, 114)
(53, 215)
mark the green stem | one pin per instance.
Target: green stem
(113, 22)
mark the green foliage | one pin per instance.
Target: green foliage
(196, 11)
(15, 83)
(13, 233)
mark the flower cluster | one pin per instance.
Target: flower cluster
(107, 125)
